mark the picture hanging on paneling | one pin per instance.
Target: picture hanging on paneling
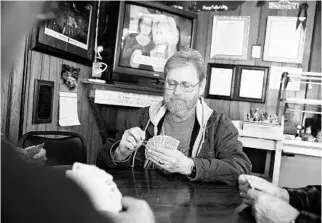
(71, 34)
(230, 37)
(284, 42)
(43, 102)
(251, 83)
(220, 81)
(69, 78)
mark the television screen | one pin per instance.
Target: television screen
(148, 35)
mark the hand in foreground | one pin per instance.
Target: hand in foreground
(246, 182)
(41, 156)
(131, 140)
(134, 210)
(171, 160)
(98, 185)
(270, 209)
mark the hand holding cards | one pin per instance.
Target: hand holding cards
(162, 142)
(99, 186)
(33, 150)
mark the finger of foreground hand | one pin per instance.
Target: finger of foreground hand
(41, 154)
(253, 194)
(130, 203)
(248, 201)
(242, 179)
(244, 187)
(263, 185)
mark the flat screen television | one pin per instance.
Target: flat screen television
(147, 35)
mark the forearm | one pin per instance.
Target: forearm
(106, 158)
(215, 170)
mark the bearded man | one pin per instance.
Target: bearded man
(209, 149)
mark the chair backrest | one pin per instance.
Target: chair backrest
(66, 150)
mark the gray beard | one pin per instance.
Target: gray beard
(178, 107)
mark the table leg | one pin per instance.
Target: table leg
(268, 162)
(277, 162)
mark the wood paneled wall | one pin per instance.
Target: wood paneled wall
(11, 90)
(34, 65)
(258, 18)
(46, 67)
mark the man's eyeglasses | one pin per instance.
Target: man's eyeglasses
(185, 87)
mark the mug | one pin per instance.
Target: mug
(98, 68)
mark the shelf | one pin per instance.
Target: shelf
(303, 101)
(303, 111)
(303, 144)
(133, 88)
(302, 147)
(260, 135)
(312, 74)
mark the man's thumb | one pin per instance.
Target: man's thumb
(254, 194)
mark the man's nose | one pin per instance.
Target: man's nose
(177, 90)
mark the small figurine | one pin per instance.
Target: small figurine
(251, 114)
(256, 115)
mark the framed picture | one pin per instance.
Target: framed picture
(230, 37)
(71, 34)
(43, 103)
(283, 42)
(251, 83)
(220, 81)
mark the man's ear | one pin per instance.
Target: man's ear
(202, 87)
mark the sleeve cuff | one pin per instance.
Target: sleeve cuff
(306, 217)
(195, 160)
(112, 150)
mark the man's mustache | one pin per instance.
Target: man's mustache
(176, 99)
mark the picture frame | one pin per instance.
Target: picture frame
(223, 87)
(230, 36)
(71, 35)
(251, 83)
(284, 42)
(43, 103)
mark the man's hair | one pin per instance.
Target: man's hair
(184, 57)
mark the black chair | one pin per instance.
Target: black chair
(66, 150)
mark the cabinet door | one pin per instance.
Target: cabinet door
(299, 171)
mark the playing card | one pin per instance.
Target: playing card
(171, 143)
(161, 142)
(33, 150)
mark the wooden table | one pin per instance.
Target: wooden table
(174, 198)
